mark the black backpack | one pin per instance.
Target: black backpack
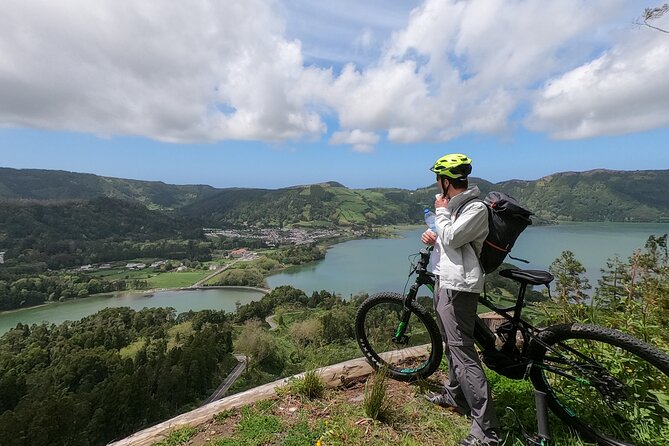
(506, 220)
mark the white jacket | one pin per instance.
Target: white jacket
(454, 259)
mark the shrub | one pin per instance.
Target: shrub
(310, 385)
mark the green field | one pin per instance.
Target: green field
(156, 279)
(176, 279)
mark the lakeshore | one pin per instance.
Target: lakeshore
(182, 300)
(354, 265)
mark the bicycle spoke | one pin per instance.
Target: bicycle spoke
(398, 338)
(609, 390)
(388, 336)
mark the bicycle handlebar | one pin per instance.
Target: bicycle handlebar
(421, 267)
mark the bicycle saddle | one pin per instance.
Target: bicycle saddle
(529, 276)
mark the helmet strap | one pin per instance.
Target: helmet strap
(445, 188)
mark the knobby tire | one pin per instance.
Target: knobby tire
(376, 323)
(616, 394)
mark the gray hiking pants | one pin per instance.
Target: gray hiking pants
(467, 385)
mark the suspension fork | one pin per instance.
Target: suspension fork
(405, 314)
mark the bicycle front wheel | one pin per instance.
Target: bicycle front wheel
(410, 351)
(612, 388)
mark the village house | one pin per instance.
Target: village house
(2, 256)
(238, 252)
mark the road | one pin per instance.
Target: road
(272, 324)
(228, 381)
(223, 268)
(247, 256)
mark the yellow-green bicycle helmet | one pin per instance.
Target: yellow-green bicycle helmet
(453, 165)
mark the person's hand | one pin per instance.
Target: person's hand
(428, 237)
(440, 201)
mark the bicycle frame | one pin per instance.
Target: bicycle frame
(543, 352)
(483, 336)
(508, 361)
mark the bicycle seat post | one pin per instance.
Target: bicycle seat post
(542, 417)
(523, 278)
(520, 301)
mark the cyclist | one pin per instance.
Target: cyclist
(459, 281)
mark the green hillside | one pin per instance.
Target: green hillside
(316, 205)
(598, 195)
(36, 184)
(96, 219)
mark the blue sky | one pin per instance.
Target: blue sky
(277, 93)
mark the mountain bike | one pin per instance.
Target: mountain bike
(610, 387)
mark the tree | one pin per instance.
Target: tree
(260, 347)
(611, 287)
(570, 282)
(338, 324)
(304, 333)
(653, 282)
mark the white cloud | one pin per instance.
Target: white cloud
(183, 71)
(463, 67)
(624, 90)
(361, 141)
(206, 70)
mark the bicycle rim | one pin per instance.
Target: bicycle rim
(415, 355)
(612, 388)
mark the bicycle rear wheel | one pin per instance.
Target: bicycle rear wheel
(414, 354)
(612, 388)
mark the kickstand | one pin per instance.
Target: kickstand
(541, 438)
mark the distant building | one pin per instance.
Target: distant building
(88, 267)
(2, 256)
(238, 252)
(135, 266)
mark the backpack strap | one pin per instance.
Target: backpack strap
(461, 208)
(459, 211)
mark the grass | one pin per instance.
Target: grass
(130, 350)
(375, 402)
(156, 279)
(178, 437)
(176, 279)
(176, 336)
(310, 385)
(339, 418)
(291, 316)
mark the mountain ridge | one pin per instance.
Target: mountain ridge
(594, 195)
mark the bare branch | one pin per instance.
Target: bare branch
(650, 14)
